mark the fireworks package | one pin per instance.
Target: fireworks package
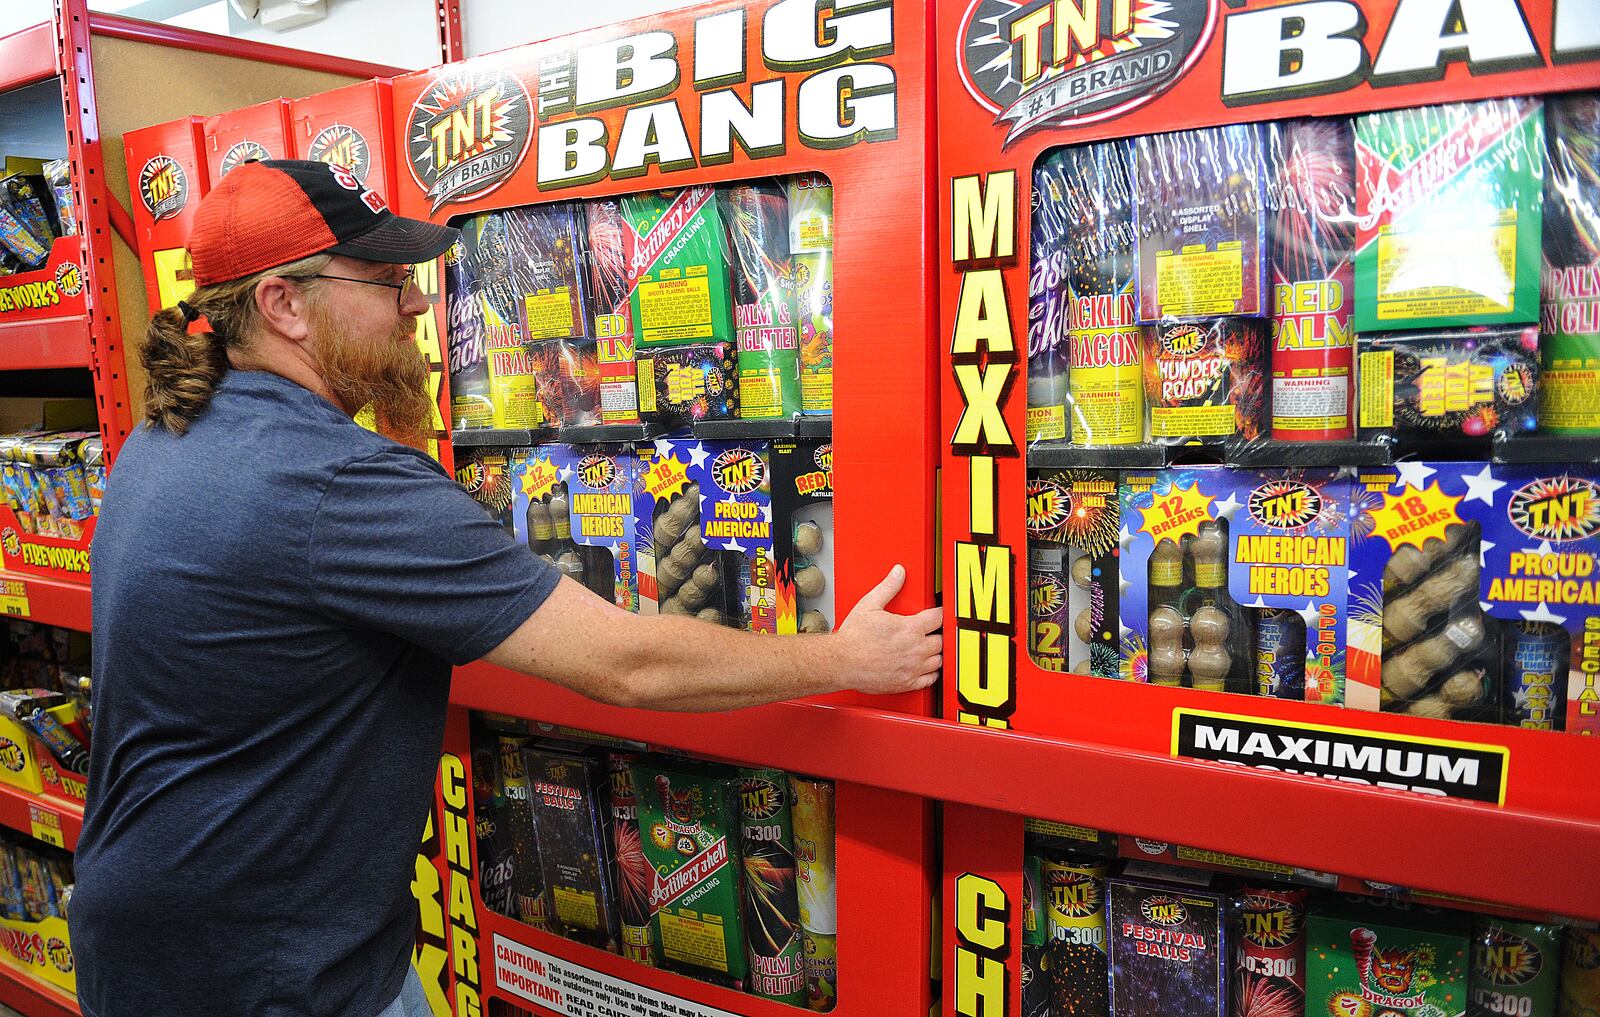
(1580, 973)
(1035, 938)
(528, 890)
(1236, 580)
(496, 855)
(1516, 968)
(1470, 384)
(1570, 314)
(1311, 194)
(696, 381)
(1168, 941)
(1076, 960)
(569, 794)
(802, 508)
(679, 571)
(1206, 381)
(812, 811)
(1476, 594)
(610, 274)
(757, 218)
(27, 196)
(542, 244)
(689, 829)
(680, 268)
(735, 479)
(1049, 296)
(58, 176)
(771, 906)
(46, 481)
(1389, 957)
(491, 378)
(1073, 615)
(1199, 202)
(634, 874)
(811, 248)
(1449, 201)
(1269, 963)
(597, 496)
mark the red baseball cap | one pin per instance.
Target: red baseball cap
(272, 212)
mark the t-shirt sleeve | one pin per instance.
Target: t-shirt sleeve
(398, 547)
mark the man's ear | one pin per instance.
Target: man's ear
(284, 308)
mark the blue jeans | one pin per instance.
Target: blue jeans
(412, 1001)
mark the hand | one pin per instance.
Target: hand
(886, 652)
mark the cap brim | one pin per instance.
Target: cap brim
(400, 241)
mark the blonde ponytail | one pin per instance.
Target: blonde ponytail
(182, 370)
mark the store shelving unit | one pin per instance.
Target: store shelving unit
(48, 818)
(30, 996)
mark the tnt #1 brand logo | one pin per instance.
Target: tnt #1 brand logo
(1075, 895)
(1163, 910)
(1047, 595)
(1563, 508)
(1060, 63)
(1285, 505)
(467, 133)
(597, 471)
(242, 153)
(739, 471)
(340, 145)
(163, 187)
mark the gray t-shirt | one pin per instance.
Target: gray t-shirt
(278, 598)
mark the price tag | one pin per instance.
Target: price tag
(14, 598)
(46, 826)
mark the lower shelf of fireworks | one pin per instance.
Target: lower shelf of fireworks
(724, 874)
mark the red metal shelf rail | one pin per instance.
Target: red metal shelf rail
(25, 812)
(50, 342)
(30, 996)
(1395, 837)
(53, 601)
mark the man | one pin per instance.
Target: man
(279, 596)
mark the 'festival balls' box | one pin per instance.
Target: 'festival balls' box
(1236, 580)
(1478, 594)
(1365, 957)
(1168, 936)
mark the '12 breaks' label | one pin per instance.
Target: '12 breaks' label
(1467, 770)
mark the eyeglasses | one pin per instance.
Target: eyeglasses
(405, 288)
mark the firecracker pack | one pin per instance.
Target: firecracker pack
(542, 516)
(1236, 580)
(1449, 202)
(694, 381)
(689, 828)
(683, 567)
(1073, 595)
(1516, 967)
(598, 483)
(569, 795)
(681, 288)
(491, 378)
(492, 832)
(609, 260)
(802, 538)
(1463, 386)
(1168, 937)
(1386, 957)
(1478, 594)
(1570, 314)
(771, 904)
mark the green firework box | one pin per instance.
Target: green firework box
(771, 906)
(811, 245)
(1370, 957)
(681, 287)
(569, 795)
(1449, 208)
(1516, 968)
(689, 828)
(757, 217)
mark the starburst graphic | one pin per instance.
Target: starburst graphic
(467, 133)
(1560, 508)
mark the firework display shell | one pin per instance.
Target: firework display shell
(689, 813)
(569, 793)
(544, 242)
(814, 842)
(529, 892)
(496, 853)
(609, 260)
(1516, 968)
(692, 382)
(1208, 540)
(681, 292)
(1461, 569)
(1269, 963)
(1200, 213)
(1168, 941)
(1205, 381)
(486, 475)
(1447, 200)
(1073, 516)
(1372, 956)
(811, 223)
(802, 534)
(1049, 293)
(599, 484)
(633, 872)
(765, 315)
(1570, 308)
(557, 516)
(468, 320)
(736, 483)
(771, 904)
(1473, 384)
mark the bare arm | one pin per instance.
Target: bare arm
(672, 662)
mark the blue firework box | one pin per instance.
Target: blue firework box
(601, 481)
(1477, 593)
(1168, 935)
(1236, 580)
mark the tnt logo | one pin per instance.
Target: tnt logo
(597, 471)
(759, 798)
(1049, 506)
(1075, 894)
(163, 187)
(1164, 910)
(1505, 958)
(1285, 505)
(10, 542)
(243, 152)
(467, 133)
(739, 471)
(1269, 923)
(1184, 340)
(11, 756)
(1563, 508)
(1046, 596)
(340, 145)
(69, 278)
(60, 954)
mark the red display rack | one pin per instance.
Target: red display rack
(44, 817)
(1115, 739)
(30, 996)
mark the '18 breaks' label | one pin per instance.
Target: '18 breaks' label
(1467, 770)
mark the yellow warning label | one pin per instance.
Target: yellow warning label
(549, 314)
(1199, 281)
(1377, 389)
(1047, 423)
(1191, 421)
(1108, 405)
(694, 940)
(647, 385)
(1492, 269)
(674, 310)
(816, 388)
(1571, 400)
(576, 908)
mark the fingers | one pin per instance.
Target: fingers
(877, 598)
(929, 620)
